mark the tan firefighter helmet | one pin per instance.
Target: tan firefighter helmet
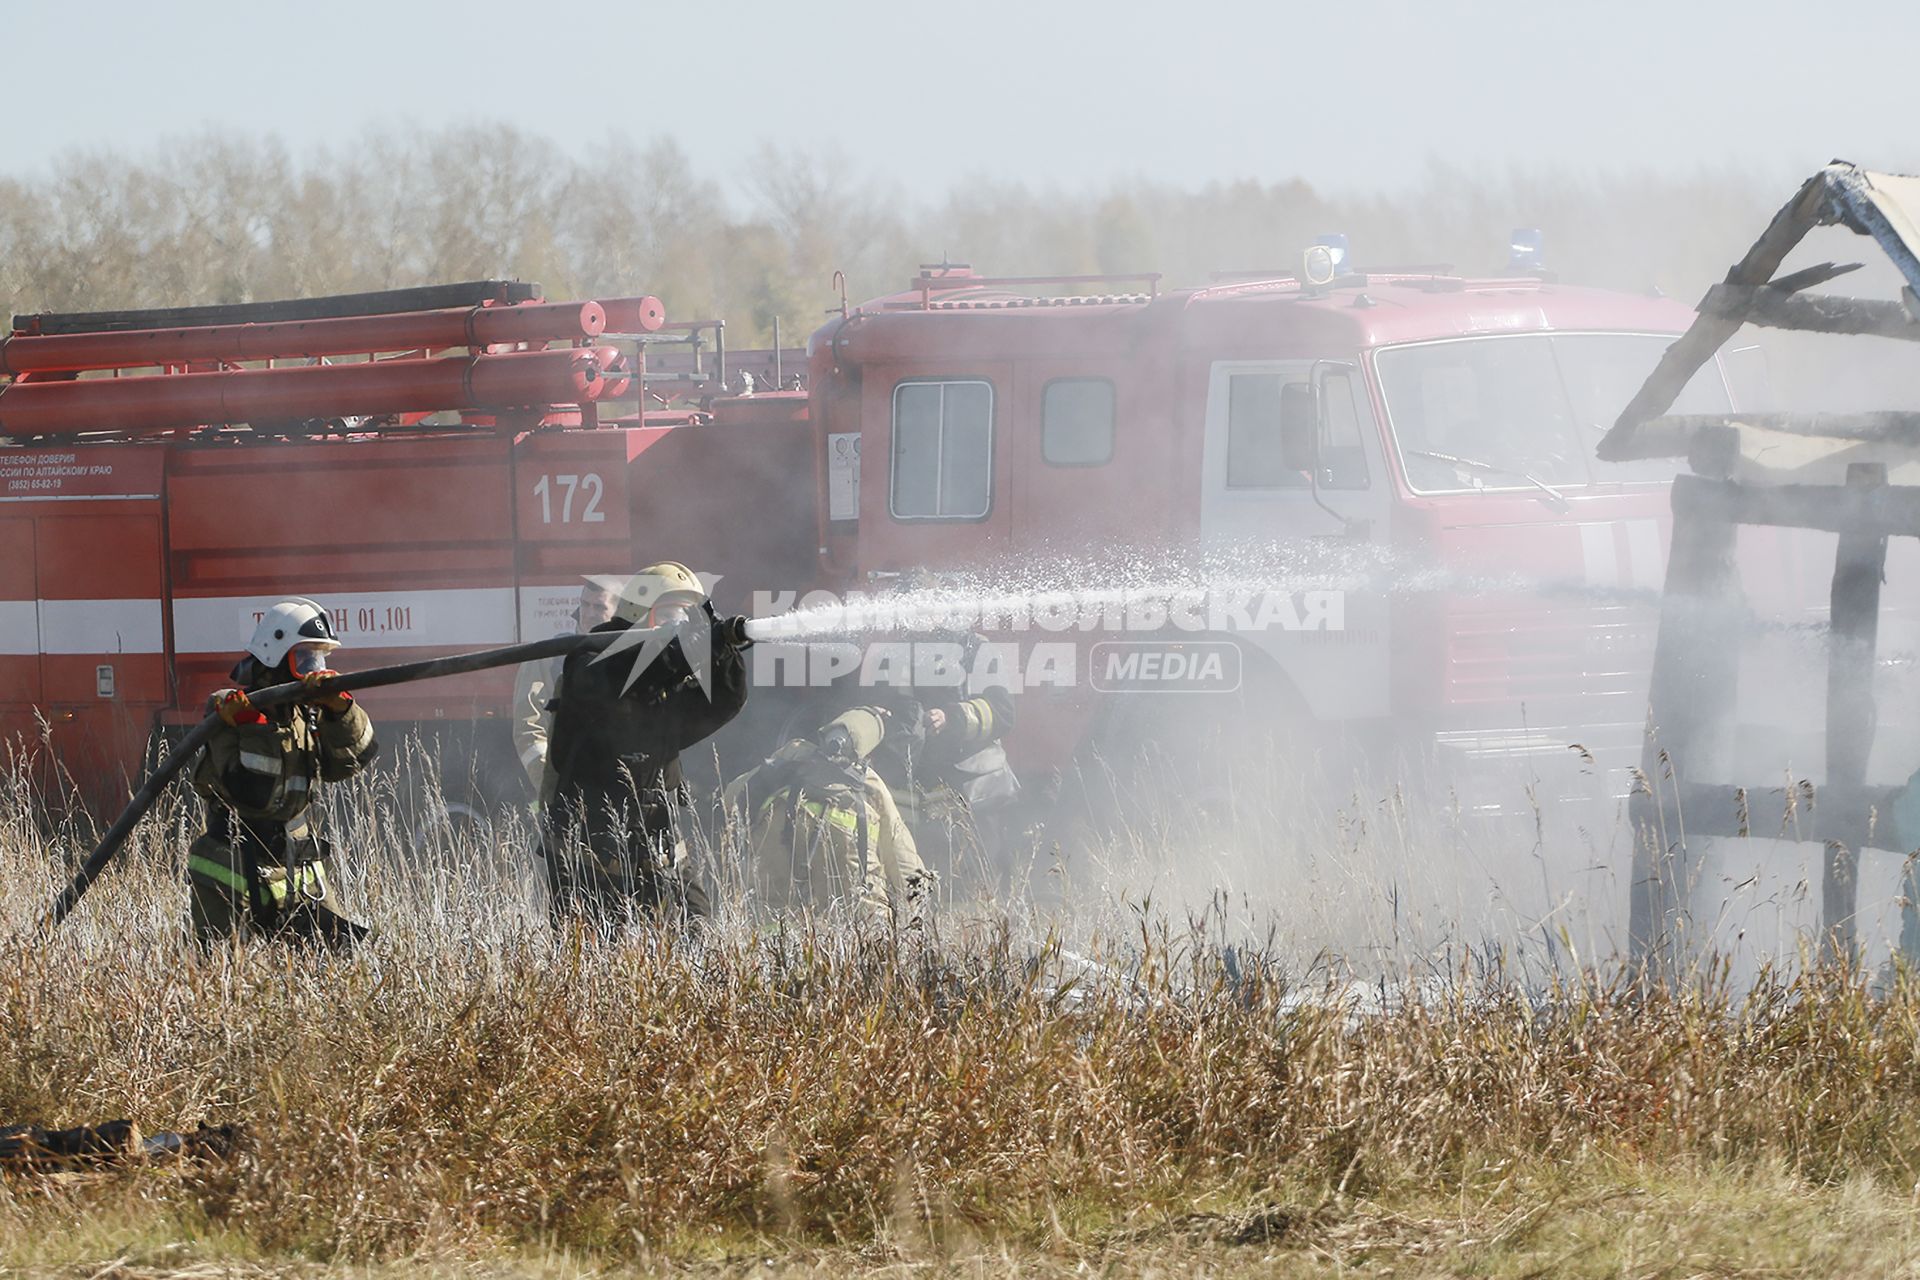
(852, 736)
(666, 582)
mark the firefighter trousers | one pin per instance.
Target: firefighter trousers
(582, 888)
(227, 898)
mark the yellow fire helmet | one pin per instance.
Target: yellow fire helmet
(666, 582)
(853, 735)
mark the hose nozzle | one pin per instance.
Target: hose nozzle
(735, 632)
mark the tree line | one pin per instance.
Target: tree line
(233, 218)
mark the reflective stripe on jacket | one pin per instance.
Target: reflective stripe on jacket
(816, 843)
(535, 685)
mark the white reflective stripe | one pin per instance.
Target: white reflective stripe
(19, 627)
(467, 617)
(81, 626)
(100, 626)
(260, 764)
(1643, 553)
(296, 782)
(536, 751)
(1599, 555)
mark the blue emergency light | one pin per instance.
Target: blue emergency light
(1335, 243)
(1527, 251)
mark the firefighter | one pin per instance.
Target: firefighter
(536, 683)
(261, 867)
(943, 758)
(950, 775)
(822, 832)
(614, 785)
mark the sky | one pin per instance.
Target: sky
(1349, 94)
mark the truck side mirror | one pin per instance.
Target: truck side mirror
(1300, 426)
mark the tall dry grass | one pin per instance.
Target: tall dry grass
(1096, 1079)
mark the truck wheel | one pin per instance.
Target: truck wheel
(453, 818)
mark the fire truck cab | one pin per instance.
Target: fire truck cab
(1422, 442)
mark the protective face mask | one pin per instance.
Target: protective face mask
(665, 615)
(308, 659)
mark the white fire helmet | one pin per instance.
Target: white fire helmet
(288, 623)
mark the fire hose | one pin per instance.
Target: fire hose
(735, 631)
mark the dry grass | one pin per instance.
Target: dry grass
(1125, 1096)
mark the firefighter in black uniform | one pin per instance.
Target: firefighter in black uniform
(614, 787)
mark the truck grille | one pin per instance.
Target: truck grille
(1595, 660)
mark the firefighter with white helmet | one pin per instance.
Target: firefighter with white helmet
(614, 785)
(261, 867)
(821, 830)
(537, 683)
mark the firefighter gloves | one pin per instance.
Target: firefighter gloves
(317, 683)
(235, 708)
(733, 632)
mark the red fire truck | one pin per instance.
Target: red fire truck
(438, 466)
(440, 497)
(1445, 426)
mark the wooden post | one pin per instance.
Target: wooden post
(1696, 669)
(1852, 639)
(1710, 331)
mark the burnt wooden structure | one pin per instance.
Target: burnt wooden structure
(1691, 702)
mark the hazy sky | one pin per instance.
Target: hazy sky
(1346, 94)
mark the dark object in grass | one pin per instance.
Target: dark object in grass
(31, 1147)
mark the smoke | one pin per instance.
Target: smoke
(1509, 831)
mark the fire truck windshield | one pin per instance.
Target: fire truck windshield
(1523, 411)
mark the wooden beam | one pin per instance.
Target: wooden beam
(1891, 510)
(1774, 308)
(1873, 426)
(1710, 441)
(1704, 337)
(1689, 713)
(1808, 277)
(1859, 564)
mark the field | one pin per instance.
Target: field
(1114, 1083)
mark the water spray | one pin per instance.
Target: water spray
(1242, 570)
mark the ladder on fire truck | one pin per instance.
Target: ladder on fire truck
(482, 354)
